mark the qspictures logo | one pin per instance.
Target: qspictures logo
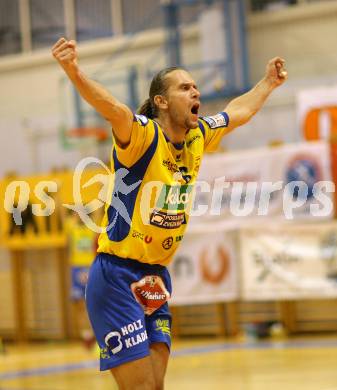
(172, 203)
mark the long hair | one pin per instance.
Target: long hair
(159, 86)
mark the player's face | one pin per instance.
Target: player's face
(183, 99)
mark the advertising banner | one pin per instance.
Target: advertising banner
(289, 262)
(35, 209)
(204, 268)
(317, 112)
(289, 182)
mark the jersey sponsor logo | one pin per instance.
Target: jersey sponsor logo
(180, 172)
(175, 197)
(142, 119)
(197, 162)
(184, 174)
(150, 292)
(167, 243)
(141, 236)
(165, 220)
(172, 167)
(216, 121)
(193, 139)
(148, 239)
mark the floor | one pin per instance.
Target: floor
(242, 364)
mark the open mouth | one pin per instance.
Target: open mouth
(195, 108)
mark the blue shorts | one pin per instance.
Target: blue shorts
(123, 331)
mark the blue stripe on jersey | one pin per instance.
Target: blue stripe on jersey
(178, 145)
(202, 128)
(125, 202)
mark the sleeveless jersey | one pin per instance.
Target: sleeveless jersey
(147, 210)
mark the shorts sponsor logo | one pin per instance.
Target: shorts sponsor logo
(129, 335)
(163, 326)
(132, 327)
(114, 341)
(150, 292)
(104, 353)
(134, 339)
(167, 243)
(167, 221)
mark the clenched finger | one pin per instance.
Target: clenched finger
(283, 74)
(61, 48)
(66, 53)
(72, 43)
(277, 59)
(59, 43)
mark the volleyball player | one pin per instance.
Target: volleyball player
(129, 284)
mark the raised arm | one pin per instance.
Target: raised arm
(241, 109)
(118, 114)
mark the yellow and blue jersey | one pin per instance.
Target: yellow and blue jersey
(82, 245)
(147, 212)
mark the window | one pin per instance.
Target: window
(260, 5)
(93, 19)
(47, 22)
(10, 38)
(141, 15)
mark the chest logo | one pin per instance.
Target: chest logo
(167, 243)
(165, 220)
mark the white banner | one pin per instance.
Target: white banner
(283, 182)
(204, 268)
(321, 99)
(289, 262)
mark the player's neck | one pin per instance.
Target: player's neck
(174, 133)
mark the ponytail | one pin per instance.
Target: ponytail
(159, 86)
(146, 109)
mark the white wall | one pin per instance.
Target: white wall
(305, 37)
(30, 85)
